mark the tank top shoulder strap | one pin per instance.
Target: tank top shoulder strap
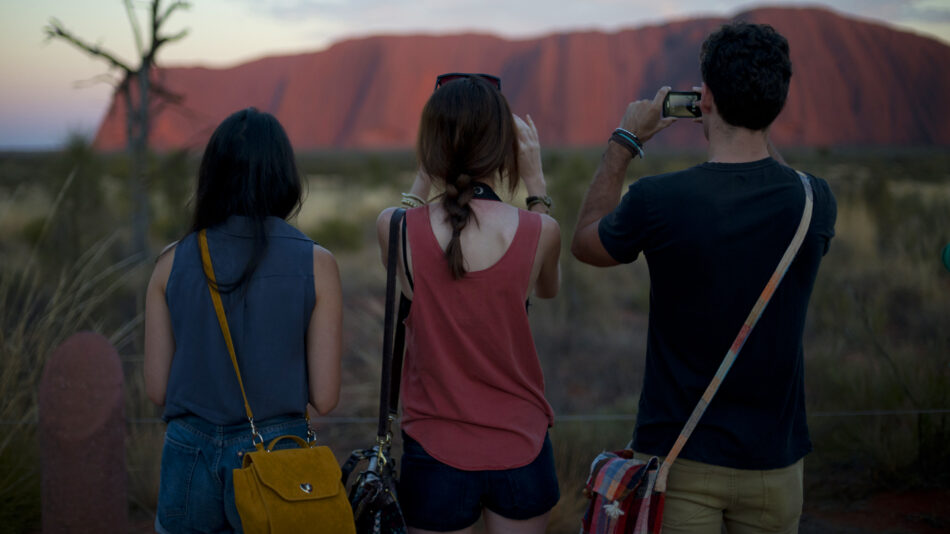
(527, 237)
(422, 242)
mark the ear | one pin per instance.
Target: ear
(706, 100)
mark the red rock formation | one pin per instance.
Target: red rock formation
(854, 83)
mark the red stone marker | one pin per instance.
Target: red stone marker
(82, 438)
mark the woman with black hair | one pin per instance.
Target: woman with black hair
(281, 293)
(475, 418)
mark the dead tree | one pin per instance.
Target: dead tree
(138, 89)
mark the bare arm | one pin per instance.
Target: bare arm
(548, 280)
(601, 199)
(529, 161)
(159, 338)
(549, 276)
(382, 233)
(325, 333)
(643, 118)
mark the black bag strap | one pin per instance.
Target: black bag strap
(389, 388)
(399, 344)
(405, 259)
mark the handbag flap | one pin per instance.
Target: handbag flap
(297, 474)
(615, 475)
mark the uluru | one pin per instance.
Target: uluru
(854, 83)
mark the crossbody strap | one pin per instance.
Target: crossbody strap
(740, 340)
(223, 321)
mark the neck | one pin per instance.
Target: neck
(731, 144)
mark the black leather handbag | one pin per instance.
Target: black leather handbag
(373, 494)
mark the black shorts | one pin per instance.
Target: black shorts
(435, 496)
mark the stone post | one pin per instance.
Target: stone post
(82, 438)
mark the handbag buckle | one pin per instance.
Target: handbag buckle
(256, 437)
(380, 451)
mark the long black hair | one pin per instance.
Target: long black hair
(466, 132)
(248, 169)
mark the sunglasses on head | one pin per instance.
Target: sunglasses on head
(442, 79)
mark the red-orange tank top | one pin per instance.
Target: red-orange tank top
(472, 387)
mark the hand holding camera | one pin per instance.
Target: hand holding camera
(644, 117)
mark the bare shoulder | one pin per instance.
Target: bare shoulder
(169, 249)
(163, 267)
(548, 222)
(382, 222)
(550, 229)
(166, 259)
(323, 260)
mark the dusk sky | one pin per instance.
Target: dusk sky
(49, 89)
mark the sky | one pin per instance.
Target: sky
(49, 89)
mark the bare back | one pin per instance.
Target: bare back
(487, 238)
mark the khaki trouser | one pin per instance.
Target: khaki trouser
(709, 499)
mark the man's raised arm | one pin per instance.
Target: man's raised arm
(642, 118)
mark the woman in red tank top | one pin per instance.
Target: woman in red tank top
(475, 418)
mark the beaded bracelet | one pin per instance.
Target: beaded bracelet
(628, 140)
(412, 201)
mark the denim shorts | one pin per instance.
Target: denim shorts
(435, 496)
(196, 491)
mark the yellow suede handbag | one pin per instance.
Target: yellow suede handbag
(279, 490)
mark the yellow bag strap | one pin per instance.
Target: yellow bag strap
(223, 321)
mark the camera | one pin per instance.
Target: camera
(682, 104)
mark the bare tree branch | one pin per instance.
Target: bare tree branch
(101, 78)
(156, 24)
(157, 21)
(150, 97)
(136, 28)
(55, 30)
(168, 11)
(175, 37)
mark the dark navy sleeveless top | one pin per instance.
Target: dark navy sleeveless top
(268, 323)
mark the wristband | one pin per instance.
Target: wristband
(533, 199)
(628, 140)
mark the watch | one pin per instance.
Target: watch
(533, 199)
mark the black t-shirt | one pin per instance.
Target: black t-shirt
(712, 236)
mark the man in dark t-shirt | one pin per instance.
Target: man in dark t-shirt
(712, 236)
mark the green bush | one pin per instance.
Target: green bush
(338, 235)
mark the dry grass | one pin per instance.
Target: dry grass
(40, 307)
(36, 315)
(876, 336)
